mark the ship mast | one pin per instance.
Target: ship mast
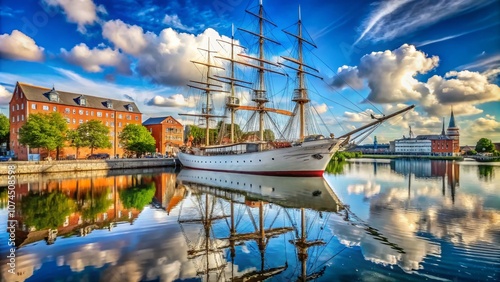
(208, 87)
(232, 102)
(300, 96)
(259, 95)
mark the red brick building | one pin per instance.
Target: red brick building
(76, 108)
(167, 131)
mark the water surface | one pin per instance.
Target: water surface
(366, 220)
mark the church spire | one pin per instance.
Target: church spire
(452, 120)
(442, 131)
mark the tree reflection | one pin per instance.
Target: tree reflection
(138, 196)
(335, 167)
(44, 211)
(4, 197)
(97, 204)
(485, 172)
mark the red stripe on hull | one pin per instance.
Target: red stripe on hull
(307, 173)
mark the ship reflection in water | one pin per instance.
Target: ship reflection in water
(366, 220)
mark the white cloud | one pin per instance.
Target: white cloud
(347, 76)
(93, 60)
(393, 18)
(19, 46)
(5, 96)
(164, 58)
(175, 22)
(487, 124)
(391, 78)
(321, 108)
(129, 38)
(176, 100)
(464, 90)
(81, 12)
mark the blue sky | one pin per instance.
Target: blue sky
(434, 54)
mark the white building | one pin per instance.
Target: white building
(413, 146)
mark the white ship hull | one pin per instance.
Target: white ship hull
(308, 159)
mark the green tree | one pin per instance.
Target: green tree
(268, 135)
(198, 134)
(47, 131)
(484, 145)
(137, 139)
(44, 211)
(93, 134)
(75, 140)
(238, 133)
(139, 196)
(4, 129)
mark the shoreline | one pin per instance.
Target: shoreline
(445, 158)
(40, 167)
(448, 158)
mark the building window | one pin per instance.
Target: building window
(99, 114)
(66, 110)
(119, 124)
(22, 117)
(128, 117)
(22, 106)
(17, 106)
(74, 121)
(80, 112)
(81, 121)
(17, 118)
(86, 113)
(112, 124)
(13, 109)
(53, 95)
(68, 120)
(74, 111)
(109, 104)
(33, 106)
(136, 117)
(54, 109)
(13, 119)
(130, 108)
(82, 101)
(113, 115)
(92, 113)
(120, 116)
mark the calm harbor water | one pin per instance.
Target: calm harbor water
(365, 220)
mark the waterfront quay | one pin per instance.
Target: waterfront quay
(30, 167)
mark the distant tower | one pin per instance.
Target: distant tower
(442, 131)
(375, 143)
(452, 131)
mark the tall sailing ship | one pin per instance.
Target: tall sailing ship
(306, 154)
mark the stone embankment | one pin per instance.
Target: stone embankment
(83, 165)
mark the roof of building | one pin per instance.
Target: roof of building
(427, 137)
(157, 120)
(41, 94)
